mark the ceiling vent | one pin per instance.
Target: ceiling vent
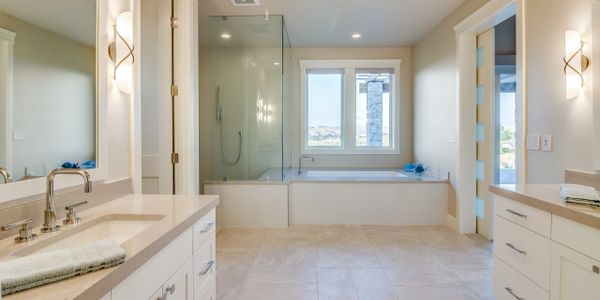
(245, 2)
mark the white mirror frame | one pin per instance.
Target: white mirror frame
(595, 63)
(26, 188)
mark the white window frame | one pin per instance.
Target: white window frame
(349, 105)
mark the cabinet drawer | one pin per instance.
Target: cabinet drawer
(510, 284)
(205, 264)
(529, 217)
(204, 228)
(208, 291)
(144, 282)
(523, 250)
(576, 236)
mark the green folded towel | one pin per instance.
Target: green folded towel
(52, 266)
(579, 194)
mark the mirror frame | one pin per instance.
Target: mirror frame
(26, 188)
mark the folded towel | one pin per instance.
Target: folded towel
(52, 266)
(579, 194)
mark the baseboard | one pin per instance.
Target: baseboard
(452, 222)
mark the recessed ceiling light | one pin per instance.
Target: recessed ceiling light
(225, 36)
(356, 36)
(276, 63)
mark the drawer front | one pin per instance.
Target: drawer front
(529, 217)
(144, 282)
(577, 236)
(204, 228)
(208, 291)
(524, 250)
(511, 285)
(205, 264)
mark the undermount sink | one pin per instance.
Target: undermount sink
(118, 227)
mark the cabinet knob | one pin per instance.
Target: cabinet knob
(596, 269)
(171, 289)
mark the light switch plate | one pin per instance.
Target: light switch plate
(547, 143)
(533, 142)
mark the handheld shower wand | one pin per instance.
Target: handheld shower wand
(220, 121)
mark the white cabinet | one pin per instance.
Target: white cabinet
(539, 255)
(183, 270)
(181, 285)
(574, 275)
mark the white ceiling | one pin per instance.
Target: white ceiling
(331, 23)
(75, 19)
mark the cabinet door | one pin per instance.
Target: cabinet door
(181, 285)
(157, 295)
(574, 275)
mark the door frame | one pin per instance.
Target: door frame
(488, 16)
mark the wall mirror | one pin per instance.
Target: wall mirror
(48, 86)
(595, 68)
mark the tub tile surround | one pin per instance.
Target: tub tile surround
(33, 206)
(352, 262)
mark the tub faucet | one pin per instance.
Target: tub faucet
(50, 212)
(312, 158)
(6, 175)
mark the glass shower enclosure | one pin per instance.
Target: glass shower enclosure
(248, 99)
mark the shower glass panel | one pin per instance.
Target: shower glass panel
(248, 67)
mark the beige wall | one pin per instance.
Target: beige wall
(569, 121)
(435, 105)
(349, 161)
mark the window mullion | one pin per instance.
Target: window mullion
(349, 109)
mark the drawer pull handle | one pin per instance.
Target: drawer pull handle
(511, 246)
(208, 227)
(510, 291)
(209, 266)
(524, 216)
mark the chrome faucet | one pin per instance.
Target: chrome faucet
(6, 175)
(300, 162)
(50, 212)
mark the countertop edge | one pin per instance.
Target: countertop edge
(121, 272)
(565, 212)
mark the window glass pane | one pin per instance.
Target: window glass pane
(373, 113)
(506, 171)
(324, 108)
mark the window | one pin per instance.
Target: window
(350, 106)
(324, 118)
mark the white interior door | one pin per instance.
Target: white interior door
(157, 137)
(486, 93)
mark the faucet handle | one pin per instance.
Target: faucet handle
(25, 233)
(71, 215)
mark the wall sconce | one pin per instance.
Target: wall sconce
(575, 63)
(121, 53)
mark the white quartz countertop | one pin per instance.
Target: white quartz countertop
(180, 212)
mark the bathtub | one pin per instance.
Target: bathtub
(354, 174)
(333, 196)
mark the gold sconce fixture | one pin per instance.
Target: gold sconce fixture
(575, 63)
(121, 52)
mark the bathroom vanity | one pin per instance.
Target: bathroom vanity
(544, 248)
(169, 239)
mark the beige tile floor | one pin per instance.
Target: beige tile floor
(352, 262)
